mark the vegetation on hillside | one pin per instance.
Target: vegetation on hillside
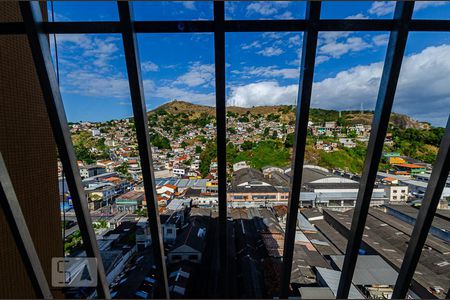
(417, 143)
(157, 140)
(260, 154)
(89, 149)
(410, 138)
(209, 153)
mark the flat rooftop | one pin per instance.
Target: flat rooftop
(370, 270)
(412, 212)
(432, 241)
(390, 243)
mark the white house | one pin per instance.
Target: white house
(396, 194)
(189, 245)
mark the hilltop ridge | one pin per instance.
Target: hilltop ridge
(287, 113)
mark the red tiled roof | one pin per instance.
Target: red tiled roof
(411, 166)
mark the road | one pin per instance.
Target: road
(135, 277)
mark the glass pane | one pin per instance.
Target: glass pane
(264, 10)
(418, 142)
(95, 92)
(437, 10)
(173, 10)
(358, 10)
(179, 83)
(263, 73)
(83, 11)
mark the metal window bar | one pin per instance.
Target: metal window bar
(19, 229)
(389, 78)
(399, 27)
(228, 25)
(301, 129)
(143, 137)
(40, 49)
(425, 217)
(221, 135)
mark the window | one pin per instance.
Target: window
(309, 51)
(176, 257)
(193, 257)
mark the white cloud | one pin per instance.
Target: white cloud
(270, 71)
(271, 51)
(321, 59)
(171, 93)
(287, 15)
(87, 70)
(96, 51)
(381, 39)
(149, 66)
(335, 44)
(423, 91)
(294, 41)
(254, 44)
(262, 93)
(337, 49)
(198, 74)
(91, 84)
(424, 4)
(332, 36)
(382, 8)
(266, 8)
(81, 40)
(189, 5)
(357, 16)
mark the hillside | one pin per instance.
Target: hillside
(287, 114)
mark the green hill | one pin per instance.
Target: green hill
(287, 114)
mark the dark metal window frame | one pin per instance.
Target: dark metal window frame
(399, 27)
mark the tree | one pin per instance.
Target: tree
(159, 141)
(352, 134)
(122, 168)
(232, 130)
(243, 119)
(183, 144)
(273, 117)
(246, 145)
(208, 154)
(232, 152)
(274, 134)
(289, 142)
(198, 149)
(231, 114)
(266, 131)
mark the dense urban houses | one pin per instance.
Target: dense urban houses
(267, 154)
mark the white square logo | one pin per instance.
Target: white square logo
(74, 272)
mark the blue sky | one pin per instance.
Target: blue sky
(262, 68)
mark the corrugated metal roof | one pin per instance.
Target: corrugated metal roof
(303, 224)
(331, 278)
(370, 270)
(316, 293)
